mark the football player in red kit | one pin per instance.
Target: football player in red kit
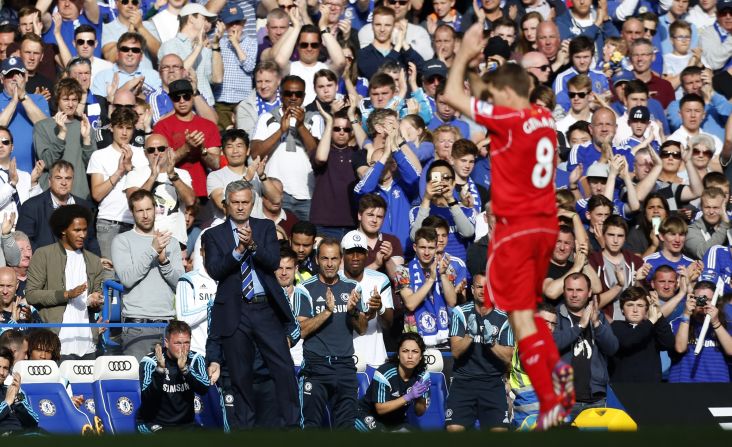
(523, 162)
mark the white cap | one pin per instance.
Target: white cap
(598, 170)
(195, 8)
(354, 239)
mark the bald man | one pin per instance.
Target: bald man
(171, 69)
(14, 308)
(538, 65)
(602, 129)
(171, 186)
(549, 44)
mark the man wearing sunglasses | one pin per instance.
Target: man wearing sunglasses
(538, 65)
(288, 138)
(195, 140)
(128, 73)
(73, 14)
(129, 19)
(193, 46)
(416, 37)
(578, 90)
(581, 53)
(85, 43)
(171, 187)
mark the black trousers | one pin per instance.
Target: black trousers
(260, 326)
(331, 382)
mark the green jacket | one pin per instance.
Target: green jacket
(46, 281)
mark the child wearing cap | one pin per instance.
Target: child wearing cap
(639, 119)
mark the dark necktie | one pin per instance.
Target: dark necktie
(247, 282)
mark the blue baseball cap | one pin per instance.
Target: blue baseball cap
(623, 76)
(12, 64)
(231, 13)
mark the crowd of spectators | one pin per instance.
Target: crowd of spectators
(125, 123)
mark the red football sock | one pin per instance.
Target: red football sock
(550, 349)
(532, 353)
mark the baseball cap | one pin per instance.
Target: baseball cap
(598, 170)
(11, 64)
(723, 4)
(195, 8)
(623, 76)
(639, 113)
(231, 13)
(354, 239)
(180, 86)
(434, 67)
(497, 47)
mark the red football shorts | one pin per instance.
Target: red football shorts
(518, 261)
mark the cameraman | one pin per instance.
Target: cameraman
(710, 365)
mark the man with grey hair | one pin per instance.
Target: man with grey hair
(250, 310)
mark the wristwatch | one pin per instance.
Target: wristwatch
(263, 177)
(174, 178)
(453, 203)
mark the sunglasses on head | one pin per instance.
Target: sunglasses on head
(342, 129)
(297, 93)
(667, 154)
(127, 2)
(89, 42)
(152, 149)
(175, 97)
(706, 152)
(580, 95)
(5, 141)
(136, 50)
(313, 45)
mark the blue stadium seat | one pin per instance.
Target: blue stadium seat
(434, 417)
(363, 383)
(46, 392)
(80, 376)
(209, 409)
(112, 310)
(116, 393)
(370, 370)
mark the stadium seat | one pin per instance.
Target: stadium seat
(41, 382)
(434, 417)
(370, 370)
(112, 309)
(80, 376)
(116, 393)
(209, 409)
(363, 383)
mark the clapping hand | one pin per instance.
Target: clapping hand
(375, 302)
(159, 356)
(417, 390)
(76, 291)
(329, 300)
(8, 222)
(354, 299)
(183, 359)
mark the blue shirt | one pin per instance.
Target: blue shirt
(67, 32)
(657, 259)
(237, 84)
(718, 262)
(589, 154)
(258, 289)
(21, 128)
(456, 244)
(160, 103)
(461, 125)
(598, 78)
(481, 174)
(104, 78)
(708, 366)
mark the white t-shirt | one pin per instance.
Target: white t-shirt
(565, 123)
(682, 136)
(166, 25)
(105, 161)
(169, 209)
(195, 292)
(370, 346)
(673, 64)
(307, 74)
(76, 340)
(293, 169)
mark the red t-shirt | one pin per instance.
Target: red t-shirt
(523, 159)
(174, 129)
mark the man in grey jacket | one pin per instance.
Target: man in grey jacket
(265, 99)
(712, 228)
(148, 263)
(586, 341)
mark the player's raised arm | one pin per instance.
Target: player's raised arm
(472, 45)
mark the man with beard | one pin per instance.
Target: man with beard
(376, 297)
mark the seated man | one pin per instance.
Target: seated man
(16, 414)
(168, 379)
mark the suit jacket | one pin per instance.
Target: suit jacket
(33, 221)
(218, 243)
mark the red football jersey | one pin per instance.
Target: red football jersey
(523, 159)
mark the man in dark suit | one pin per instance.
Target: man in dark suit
(250, 307)
(35, 212)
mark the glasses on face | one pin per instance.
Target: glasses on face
(342, 129)
(667, 154)
(580, 95)
(118, 106)
(725, 12)
(434, 79)
(89, 42)
(151, 149)
(5, 141)
(176, 97)
(170, 67)
(651, 31)
(313, 45)
(682, 38)
(136, 50)
(296, 93)
(287, 7)
(545, 67)
(127, 2)
(706, 152)
(398, 2)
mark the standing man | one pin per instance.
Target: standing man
(327, 306)
(148, 263)
(251, 309)
(523, 201)
(376, 298)
(128, 73)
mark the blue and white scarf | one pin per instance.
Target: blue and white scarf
(432, 316)
(264, 106)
